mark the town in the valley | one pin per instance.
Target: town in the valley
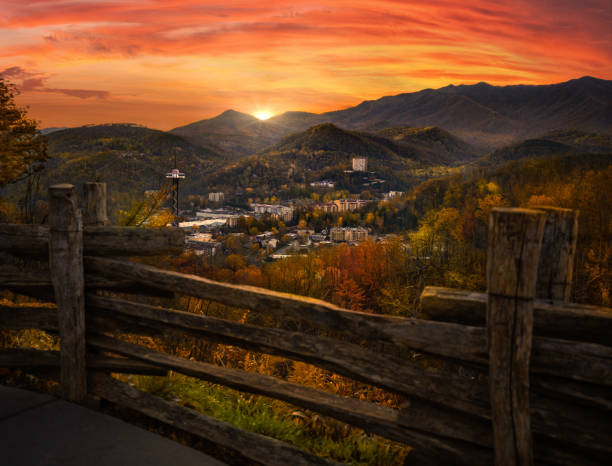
(221, 228)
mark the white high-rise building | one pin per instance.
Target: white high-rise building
(360, 164)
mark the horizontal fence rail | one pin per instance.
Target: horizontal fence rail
(449, 392)
(31, 358)
(36, 283)
(451, 413)
(569, 321)
(587, 362)
(33, 240)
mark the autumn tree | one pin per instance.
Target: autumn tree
(148, 212)
(23, 150)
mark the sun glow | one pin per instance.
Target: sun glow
(262, 114)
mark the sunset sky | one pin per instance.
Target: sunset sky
(171, 62)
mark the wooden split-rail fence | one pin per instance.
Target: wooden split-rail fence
(536, 383)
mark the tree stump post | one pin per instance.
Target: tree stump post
(555, 272)
(94, 204)
(515, 237)
(66, 264)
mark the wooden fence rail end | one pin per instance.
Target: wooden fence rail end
(515, 238)
(66, 265)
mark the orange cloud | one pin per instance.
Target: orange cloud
(189, 59)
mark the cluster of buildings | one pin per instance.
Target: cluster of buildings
(392, 195)
(324, 184)
(222, 216)
(348, 234)
(216, 197)
(342, 205)
(335, 234)
(278, 211)
(213, 218)
(277, 245)
(203, 244)
(267, 240)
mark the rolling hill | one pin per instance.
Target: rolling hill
(552, 144)
(132, 159)
(431, 144)
(239, 154)
(129, 158)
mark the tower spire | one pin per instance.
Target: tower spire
(175, 175)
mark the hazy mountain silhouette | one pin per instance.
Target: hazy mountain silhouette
(487, 115)
(233, 133)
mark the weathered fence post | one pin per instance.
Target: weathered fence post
(66, 264)
(515, 237)
(94, 204)
(558, 249)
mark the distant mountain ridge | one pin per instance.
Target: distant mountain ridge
(52, 129)
(135, 158)
(556, 143)
(484, 115)
(237, 153)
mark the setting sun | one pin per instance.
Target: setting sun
(262, 114)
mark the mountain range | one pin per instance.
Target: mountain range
(407, 138)
(486, 116)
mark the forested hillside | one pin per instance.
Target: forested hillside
(131, 159)
(551, 144)
(433, 144)
(452, 215)
(397, 156)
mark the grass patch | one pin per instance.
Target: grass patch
(306, 430)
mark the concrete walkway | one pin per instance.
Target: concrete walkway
(39, 430)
